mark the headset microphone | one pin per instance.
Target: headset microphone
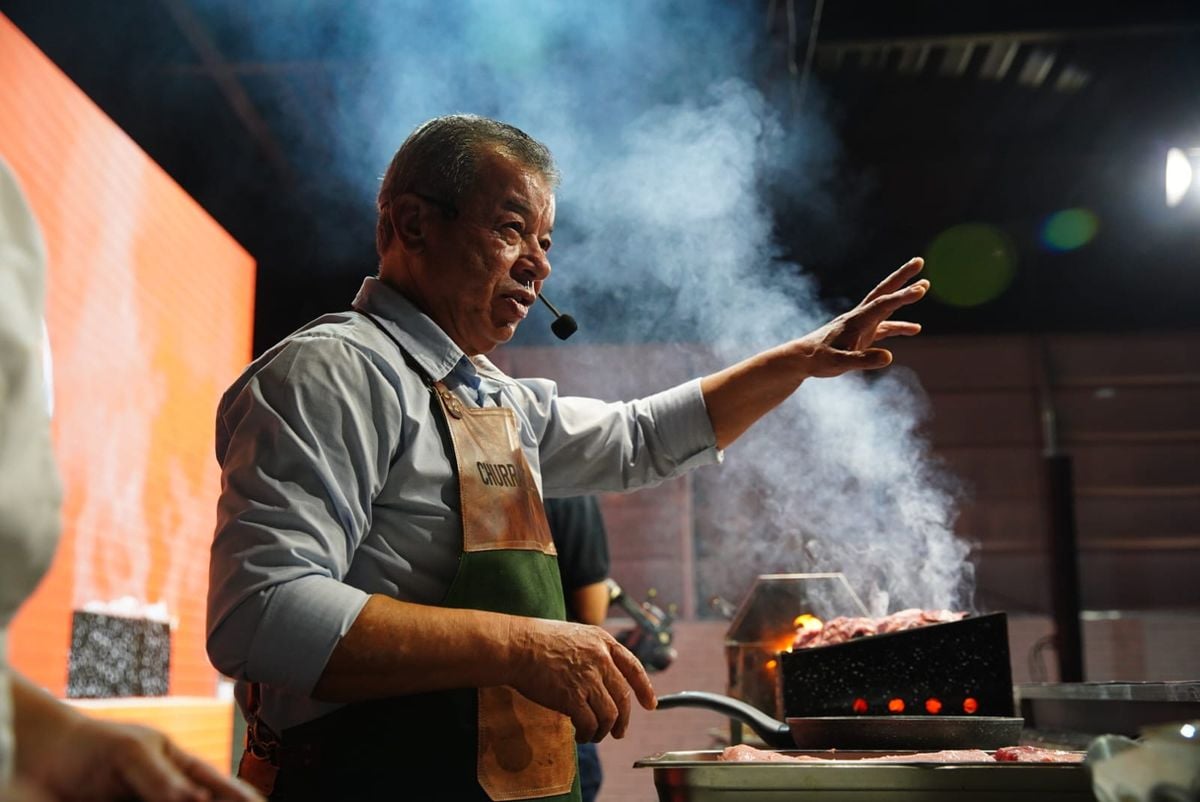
(564, 325)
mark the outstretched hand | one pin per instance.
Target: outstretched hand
(741, 394)
(582, 672)
(848, 341)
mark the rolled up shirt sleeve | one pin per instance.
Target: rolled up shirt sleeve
(304, 444)
(589, 446)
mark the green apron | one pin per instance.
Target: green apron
(508, 565)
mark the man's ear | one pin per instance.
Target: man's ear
(409, 218)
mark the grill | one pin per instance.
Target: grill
(954, 673)
(956, 668)
(763, 625)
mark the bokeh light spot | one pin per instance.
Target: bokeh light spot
(1069, 229)
(969, 264)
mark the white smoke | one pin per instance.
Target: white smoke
(668, 148)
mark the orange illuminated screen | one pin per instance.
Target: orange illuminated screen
(149, 314)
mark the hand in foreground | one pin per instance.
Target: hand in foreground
(102, 761)
(581, 671)
(847, 342)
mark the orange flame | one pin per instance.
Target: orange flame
(895, 705)
(934, 706)
(806, 622)
(970, 705)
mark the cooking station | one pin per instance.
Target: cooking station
(944, 686)
(959, 670)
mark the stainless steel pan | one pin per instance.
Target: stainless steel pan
(704, 777)
(859, 732)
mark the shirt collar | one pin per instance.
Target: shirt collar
(424, 340)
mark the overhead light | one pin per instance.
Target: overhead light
(1181, 171)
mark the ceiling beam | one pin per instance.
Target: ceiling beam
(1020, 37)
(226, 79)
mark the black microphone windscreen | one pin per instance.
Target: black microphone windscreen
(564, 326)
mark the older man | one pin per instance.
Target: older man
(383, 581)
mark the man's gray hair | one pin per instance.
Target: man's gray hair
(440, 160)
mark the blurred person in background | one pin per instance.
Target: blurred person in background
(577, 527)
(50, 752)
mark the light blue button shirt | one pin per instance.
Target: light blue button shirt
(338, 482)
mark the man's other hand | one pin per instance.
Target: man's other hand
(580, 671)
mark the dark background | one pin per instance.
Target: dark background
(928, 141)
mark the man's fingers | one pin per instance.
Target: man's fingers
(897, 279)
(868, 359)
(222, 788)
(870, 315)
(585, 723)
(605, 709)
(896, 328)
(635, 674)
(155, 777)
(873, 358)
(621, 695)
(624, 708)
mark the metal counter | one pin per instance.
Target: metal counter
(1098, 708)
(699, 776)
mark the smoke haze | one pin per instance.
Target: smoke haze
(671, 150)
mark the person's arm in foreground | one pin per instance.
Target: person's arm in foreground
(741, 394)
(66, 755)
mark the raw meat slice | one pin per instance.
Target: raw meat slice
(744, 754)
(1035, 754)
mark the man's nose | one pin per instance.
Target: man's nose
(534, 264)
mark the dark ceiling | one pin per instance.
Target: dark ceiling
(946, 112)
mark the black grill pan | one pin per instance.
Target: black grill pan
(860, 732)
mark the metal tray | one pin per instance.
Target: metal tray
(700, 776)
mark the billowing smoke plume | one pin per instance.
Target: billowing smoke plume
(668, 144)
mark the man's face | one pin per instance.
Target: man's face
(484, 268)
